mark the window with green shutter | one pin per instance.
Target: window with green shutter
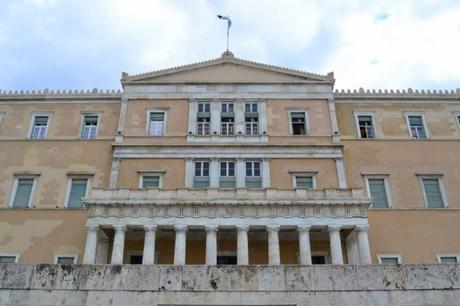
(378, 193)
(5, 259)
(150, 182)
(77, 192)
(433, 193)
(304, 182)
(23, 192)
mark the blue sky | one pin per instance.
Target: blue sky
(80, 44)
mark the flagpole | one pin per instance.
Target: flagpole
(228, 30)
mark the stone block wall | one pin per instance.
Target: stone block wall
(131, 285)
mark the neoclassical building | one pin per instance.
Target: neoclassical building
(229, 162)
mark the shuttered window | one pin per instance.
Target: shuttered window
(448, 259)
(23, 193)
(156, 125)
(417, 127)
(39, 127)
(304, 182)
(7, 259)
(77, 192)
(89, 127)
(150, 182)
(378, 193)
(433, 193)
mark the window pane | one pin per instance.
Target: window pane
(67, 260)
(77, 191)
(205, 168)
(231, 168)
(7, 259)
(256, 169)
(41, 120)
(378, 193)
(433, 193)
(389, 260)
(23, 193)
(197, 168)
(304, 182)
(448, 259)
(415, 120)
(150, 181)
(248, 168)
(157, 116)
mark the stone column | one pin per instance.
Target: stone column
(240, 173)
(304, 244)
(215, 117)
(148, 257)
(242, 245)
(341, 172)
(118, 244)
(262, 117)
(91, 245)
(239, 118)
(273, 245)
(180, 244)
(211, 245)
(336, 245)
(265, 173)
(189, 172)
(192, 110)
(114, 172)
(363, 244)
(214, 173)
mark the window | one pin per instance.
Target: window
(226, 258)
(389, 259)
(227, 107)
(251, 118)
(76, 190)
(304, 182)
(65, 259)
(432, 191)
(156, 123)
(298, 122)
(203, 126)
(2, 114)
(201, 179)
(22, 192)
(150, 181)
(9, 258)
(227, 120)
(204, 107)
(227, 174)
(253, 179)
(417, 125)
(448, 258)
(39, 127)
(90, 126)
(365, 124)
(377, 189)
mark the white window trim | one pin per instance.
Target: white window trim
(147, 120)
(383, 256)
(356, 114)
(386, 180)
(15, 188)
(32, 121)
(143, 173)
(438, 257)
(16, 255)
(296, 173)
(425, 125)
(75, 257)
(82, 123)
(227, 161)
(456, 118)
(202, 160)
(439, 177)
(2, 114)
(307, 120)
(69, 186)
(253, 161)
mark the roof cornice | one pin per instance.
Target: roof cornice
(395, 94)
(47, 94)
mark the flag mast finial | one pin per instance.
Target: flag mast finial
(229, 24)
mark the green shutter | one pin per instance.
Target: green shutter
(151, 182)
(77, 191)
(7, 259)
(304, 182)
(23, 193)
(378, 193)
(433, 193)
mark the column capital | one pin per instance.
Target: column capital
(362, 228)
(242, 228)
(150, 228)
(334, 228)
(180, 228)
(273, 228)
(92, 227)
(120, 227)
(303, 228)
(211, 228)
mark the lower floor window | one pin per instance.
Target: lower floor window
(6, 258)
(448, 259)
(66, 260)
(389, 259)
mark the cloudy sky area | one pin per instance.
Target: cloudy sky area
(79, 44)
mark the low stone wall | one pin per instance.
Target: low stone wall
(132, 285)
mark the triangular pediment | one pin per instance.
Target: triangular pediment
(226, 69)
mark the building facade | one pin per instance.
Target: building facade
(229, 162)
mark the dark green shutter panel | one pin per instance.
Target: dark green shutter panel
(77, 191)
(378, 193)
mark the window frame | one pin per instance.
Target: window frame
(388, 256)
(82, 123)
(227, 161)
(147, 120)
(442, 189)
(425, 125)
(2, 115)
(57, 256)
(455, 113)
(159, 173)
(15, 255)
(14, 190)
(356, 114)
(296, 173)
(33, 115)
(439, 256)
(69, 186)
(386, 180)
(306, 123)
